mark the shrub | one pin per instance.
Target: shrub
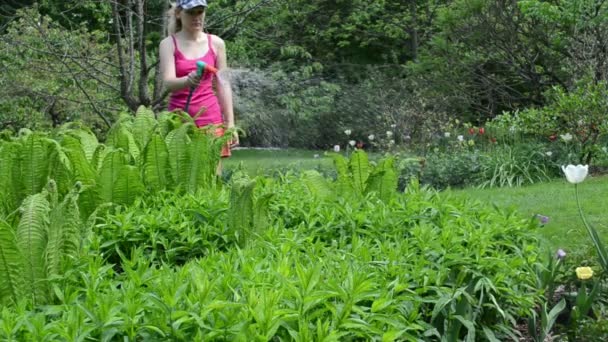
(575, 117)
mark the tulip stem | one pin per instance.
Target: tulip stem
(592, 234)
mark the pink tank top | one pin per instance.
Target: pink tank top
(203, 97)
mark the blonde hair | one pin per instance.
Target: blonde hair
(174, 24)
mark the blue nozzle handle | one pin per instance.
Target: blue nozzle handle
(200, 67)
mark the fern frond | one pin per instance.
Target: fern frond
(34, 163)
(316, 184)
(383, 180)
(120, 137)
(143, 126)
(108, 174)
(261, 209)
(128, 186)
(31, 240)
(344, 182)
(81, 168)
(156, 170)
(204, 155)
(10, 196)
(88, 201)
(63, 232)
(11, 266)
(98, 156)
(60, 168)
(88, 141)
(241, 208)
(359, 165)
(178, 142)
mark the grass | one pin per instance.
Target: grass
(554, 199)
(260, 162)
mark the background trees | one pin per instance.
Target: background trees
(307, 70)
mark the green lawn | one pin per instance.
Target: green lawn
(256, 162)
(553, 199)
(556, 200)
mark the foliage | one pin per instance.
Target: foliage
(578, 114)
(37, 249)
(77, 67)
(452, 169)
(517, 165)
(140, 154)
(418, 267)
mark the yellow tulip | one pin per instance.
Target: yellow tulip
(584, 273)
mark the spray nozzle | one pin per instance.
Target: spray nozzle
(202, 67)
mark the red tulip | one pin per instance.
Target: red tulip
(493, 140)
(482, 130)
(552, 137)
(472, 130)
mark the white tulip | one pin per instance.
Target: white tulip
(337, 148)
(447, 134)
(348, 132)
(352, 143)
(371, 137)
(549, 153)
(460, 138)
(575, 174)
(389, 134)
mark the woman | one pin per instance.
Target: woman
(179, 52)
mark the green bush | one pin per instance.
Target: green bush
(452, 169)
(419, 266)
(575, 117)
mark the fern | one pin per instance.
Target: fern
(34, 163)
(344, 183)
(383, 180)
(204, 158)
(60, 168)
(9, 173)
(88, 141)
(31, 241)
(11, 266)
(359, 165)
(241, 208)
(63, 232)
(316, 184)
(88, 201)
(261, 209)
(156, 164)
(98, 156)
(128, 186)
(143, 126)
(178, 147)
(120, 137)
(108, 174)
(82, 170)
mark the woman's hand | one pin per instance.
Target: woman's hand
(234, 142)
(193, 79)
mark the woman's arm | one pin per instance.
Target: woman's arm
(224, 90)
(167, 68)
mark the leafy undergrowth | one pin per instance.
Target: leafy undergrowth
(296, 258)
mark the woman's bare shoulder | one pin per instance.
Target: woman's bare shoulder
(217, 41)
(166, 41)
